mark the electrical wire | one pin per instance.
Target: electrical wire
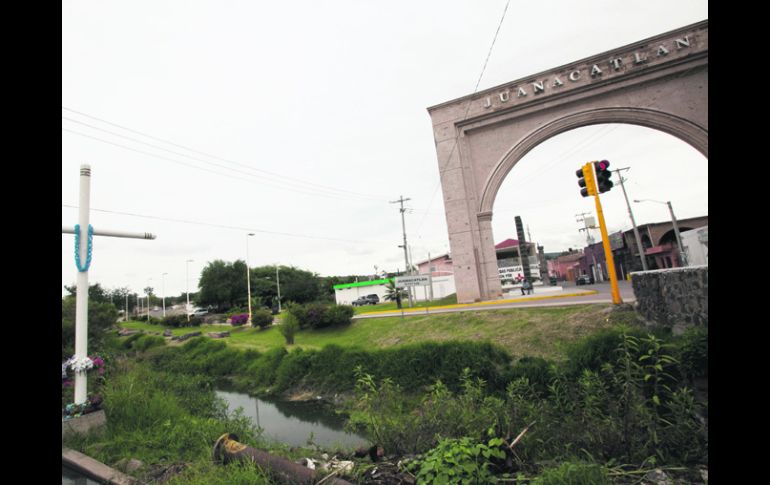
(289, 180)
(222, 226)
(481, 75)
(262, 183)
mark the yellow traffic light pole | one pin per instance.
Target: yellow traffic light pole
(588, 174)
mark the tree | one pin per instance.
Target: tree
(101, 317)
(297, 285)
(394, 294)
(118, 297)
(95, 293)
(223, 284)
(150, 292)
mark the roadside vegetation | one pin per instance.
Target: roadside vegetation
(577, 394)
(540, 332)
(169, 423)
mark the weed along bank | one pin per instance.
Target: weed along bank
(453, 392)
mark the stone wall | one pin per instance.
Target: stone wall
(676, 297)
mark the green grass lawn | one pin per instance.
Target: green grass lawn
(391, 305)
(522, 331)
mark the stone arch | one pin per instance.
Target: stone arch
(683, 129)
(659, 83)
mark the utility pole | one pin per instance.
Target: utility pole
(589, 241)
(187, 287)
(430, 272)
(163, 288)
(278, 284)
(633, 222)
(401, 201)
(682, 253)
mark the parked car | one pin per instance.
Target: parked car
(584, 279)
(367, 300)
(360, 301)
(199, 312)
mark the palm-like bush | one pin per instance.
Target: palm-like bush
(392, 293)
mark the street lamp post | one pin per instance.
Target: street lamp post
(248, 276)
(682, 254)
(187, 287)
(278, 282)
(163, 289)
(148, 299)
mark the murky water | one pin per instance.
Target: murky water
(72, 477)
(294, 423)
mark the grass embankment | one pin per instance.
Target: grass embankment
(169, 423)
(391, 305)
(534, 332)
(607, 392)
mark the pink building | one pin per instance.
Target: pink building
(438, 266)
(566, 267)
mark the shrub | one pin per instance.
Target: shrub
(235, 311)
(152, 320)
(156, 416)
(538, 371)
(292, 369)
(593, 351)
(309, 315)
(261, 318)
(178, 321)
(459, 461)
(320, 315)
(238, 320)
(693, 350)
(175, 321)
(148, 341)
(265, 368)
(289, 327)
(337, 316)
(129, 341)
(201, 355)
(101, 317)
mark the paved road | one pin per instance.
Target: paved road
(569, 295)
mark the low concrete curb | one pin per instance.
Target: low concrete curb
(95, 469)
(83, 424)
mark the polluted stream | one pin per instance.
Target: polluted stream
(295, 423)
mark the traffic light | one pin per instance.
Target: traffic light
(586, 180)
(603, 176)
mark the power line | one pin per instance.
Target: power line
(290, 180)
(284, 187)
(338, 197)
(222, 226)
(483, 69)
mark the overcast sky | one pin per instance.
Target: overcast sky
(300, 121)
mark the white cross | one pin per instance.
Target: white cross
(81, 298)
